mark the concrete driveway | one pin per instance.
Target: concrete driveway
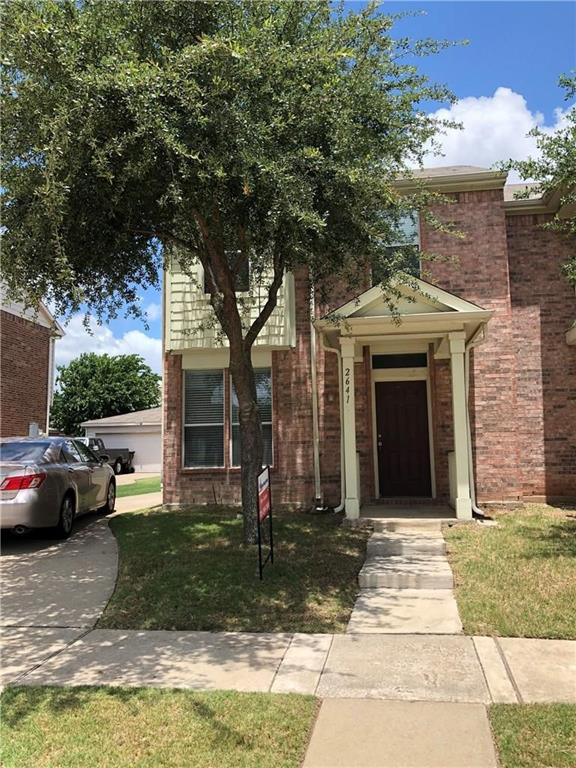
(50, 583)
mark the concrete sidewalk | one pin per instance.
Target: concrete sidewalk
(137, 502)
(437, 668)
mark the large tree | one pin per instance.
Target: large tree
(225, 132)
(95, 386)
(554, 171)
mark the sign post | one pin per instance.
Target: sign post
(264, 511)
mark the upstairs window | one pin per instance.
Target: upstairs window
(241, 276)
(264, 396)
(406, 239)
(204, 418)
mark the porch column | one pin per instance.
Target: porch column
(352, 501)
(463, 500)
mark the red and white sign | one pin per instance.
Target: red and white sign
(264, 495)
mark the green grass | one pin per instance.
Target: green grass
(517, 579)
(190, 570)
(147, 485)
(535, 735)
(150, 728)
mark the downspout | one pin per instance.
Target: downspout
(50, 398)
(318, 502)
(478, 338)
(341, 505)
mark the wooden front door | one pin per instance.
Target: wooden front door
(402, 438)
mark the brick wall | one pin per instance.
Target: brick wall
(24, 374)
(476, 268)
(543, 307)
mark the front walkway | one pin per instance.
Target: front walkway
(406, 584)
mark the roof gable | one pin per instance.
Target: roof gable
(417, 297)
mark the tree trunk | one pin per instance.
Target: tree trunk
(251, 453)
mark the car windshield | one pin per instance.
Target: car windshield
(24, 451)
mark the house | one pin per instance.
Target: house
(470, 398)
(27, 339)
(139, 431)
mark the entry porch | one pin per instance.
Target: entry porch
(408, 364)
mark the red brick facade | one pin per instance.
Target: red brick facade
(522, 378)
(24, 375)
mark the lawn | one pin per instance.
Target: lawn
(190, 570)
(535, 735)
(517, 579)
(147, 485)
(150, 728)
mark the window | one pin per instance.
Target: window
(406, 240)
(86, 453)
(204, 419)
(264, 396)
(419, 360)
(242, 276)
(72, 452)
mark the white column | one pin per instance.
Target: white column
(349, 426)
(463, 500)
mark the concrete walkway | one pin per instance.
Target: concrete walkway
(137, 502)
(406, 583)
(386, 667)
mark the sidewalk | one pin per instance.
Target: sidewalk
(440, 668)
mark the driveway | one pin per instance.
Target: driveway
(63, 584)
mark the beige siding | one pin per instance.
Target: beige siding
(190, 323)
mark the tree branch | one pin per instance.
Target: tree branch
(270, 305)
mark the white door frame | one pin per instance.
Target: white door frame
(401, 374)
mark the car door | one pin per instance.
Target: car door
(99, 475)
(79, 473)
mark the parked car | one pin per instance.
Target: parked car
(120, 459)
(49, 481)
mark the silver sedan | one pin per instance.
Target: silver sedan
(47, 482)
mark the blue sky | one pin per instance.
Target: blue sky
(505, 79)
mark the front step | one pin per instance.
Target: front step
(407, 525)
(391, 543)
(405, 572)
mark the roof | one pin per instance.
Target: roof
(41, 315)
(148, 417)
(450, 170)
(511, 190)
(454, 178)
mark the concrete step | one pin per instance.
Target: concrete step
(407, 525)
(405, 611)
(392, 543)
(406, 572)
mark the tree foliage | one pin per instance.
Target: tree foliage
(554, 170)
(222, 132)
(95, 386)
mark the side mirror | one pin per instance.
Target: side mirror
(104, 458)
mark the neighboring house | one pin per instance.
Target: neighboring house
(139, 431)
(482, 365)
(27, 340)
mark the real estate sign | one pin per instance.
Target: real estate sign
(264, 511)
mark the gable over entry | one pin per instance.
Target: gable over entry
(418, 316)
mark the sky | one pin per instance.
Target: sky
(505, 80)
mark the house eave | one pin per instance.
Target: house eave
(483, 181)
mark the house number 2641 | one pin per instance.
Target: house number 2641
(347, 383)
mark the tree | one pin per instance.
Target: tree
(223, 132)
(95, 386)
(554, 171)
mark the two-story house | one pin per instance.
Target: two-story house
(470, 398)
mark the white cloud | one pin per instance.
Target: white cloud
(78, 340)
(495, 128)
(153, 312)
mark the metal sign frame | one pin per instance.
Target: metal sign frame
(264, 491)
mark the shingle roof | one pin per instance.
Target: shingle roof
(150, 416)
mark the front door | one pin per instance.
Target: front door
(402, 438)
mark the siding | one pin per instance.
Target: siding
(190, 321)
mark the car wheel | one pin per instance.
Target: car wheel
(118, 467)
(66, 519)
(110, 498)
